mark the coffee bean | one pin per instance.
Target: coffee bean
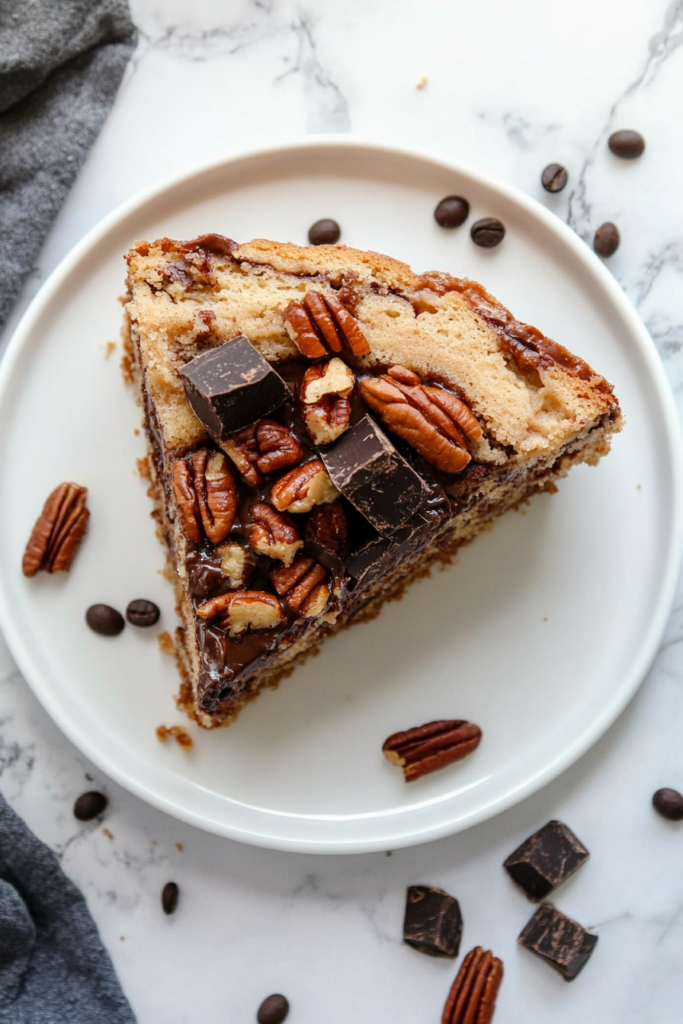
(169, 897)
(105, 620)
(324, 232)
(627, 144)
(90, 805)
(606, 241)
(142, 613)
(272, 1010)
(452, 212)
(554, 178)
(488, 232)
(669, 803)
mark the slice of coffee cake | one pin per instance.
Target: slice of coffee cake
(323, 424)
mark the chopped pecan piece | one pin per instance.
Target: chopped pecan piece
(237, 564)
(472, 998)
(323, 325)
(264, 447)
(272, 533)
(328, 526)
(426, 748)
(302, 488)
(433, 421)
(325, 403)
(58, 532)
(303, 586)
(244, 609)
(206, 494)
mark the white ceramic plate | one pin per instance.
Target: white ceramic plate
(541, 631)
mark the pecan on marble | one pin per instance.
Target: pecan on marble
(302, 488)
(264, 447)
(322, 325)
(244, 609)
(324, 396)
(328, 526)
(472, 998)
(206, 494)
(303, 586)
(58, 532)
(426, 748)
(273, 534)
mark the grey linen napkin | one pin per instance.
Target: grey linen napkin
(53, 966)
(61, 63)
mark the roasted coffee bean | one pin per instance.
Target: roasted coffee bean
(627, 144)
(452, 212)
(169, 897)
(142, 613)
(554, 178)
(272, 1010)
(669, 803)
(606, 241)
(324, 232)
(488, 232)
(105, 620)
(90, 805)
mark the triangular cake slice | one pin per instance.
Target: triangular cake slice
(322, 425)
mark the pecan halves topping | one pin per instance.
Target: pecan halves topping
(328, 526)
(272, 533)
(264, 447)
(302, 488)
(206, 494)
(472, 998)
(322, 325)
(244, 609)
(303, 586)
(325, 405)
(433, 421)
(58, 532)
(426, 748)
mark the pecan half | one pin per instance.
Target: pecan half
(302, 488)
(472, 998)
(328, 526)
(433, 421)
(325, 403)
(206, 494)
(58, 532)
(237, 564)
(303, 586)
(244, 609)
(272, 533)
(426, 748)
(264, 447)
(322, 325)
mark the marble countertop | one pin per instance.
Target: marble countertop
(510, 88)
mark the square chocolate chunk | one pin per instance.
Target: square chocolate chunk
(231, 386)
(433, 922)
(545, 860)
(564, 943)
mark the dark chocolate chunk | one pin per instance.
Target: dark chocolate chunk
(105, 620)
(231, 386)
(169, 897)
(452, 212)
(90, 805)
(273, 1010)
(554, 178)
(142, 613)
(564, 943)
(324, 232)
(488, 232)
(669, 803)
(627, 144)
(545, 860)
(433, 922)
(606, 241)
(364, 465)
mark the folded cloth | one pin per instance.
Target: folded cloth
(53, 966)
(61, 63)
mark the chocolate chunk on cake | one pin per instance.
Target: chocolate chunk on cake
(323, 424)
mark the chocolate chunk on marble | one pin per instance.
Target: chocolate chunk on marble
(545, 860)
(231, 386)
(433, 922)
(368, 470)
(564, 944)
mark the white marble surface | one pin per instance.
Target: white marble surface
(510, 88)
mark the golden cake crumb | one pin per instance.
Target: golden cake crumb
(182, 738)
(166, 645)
